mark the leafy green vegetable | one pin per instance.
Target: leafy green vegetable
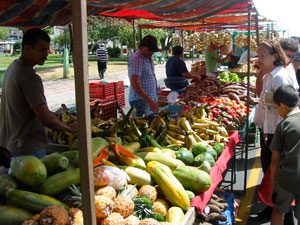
(227, 76)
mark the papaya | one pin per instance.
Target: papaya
(185, 156)
(98, 143)
(55, 162)
(11, 215)
(29, 170)
(192, 179)
(219, 147)
(199, 148)
(213, 152)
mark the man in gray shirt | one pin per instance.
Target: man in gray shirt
(24, 110)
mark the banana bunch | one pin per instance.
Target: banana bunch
(193, 127)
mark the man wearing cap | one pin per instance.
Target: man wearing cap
(143, 88)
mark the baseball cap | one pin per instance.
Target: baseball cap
(297, 56)
(150, 42)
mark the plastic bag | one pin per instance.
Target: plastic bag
(110, 175)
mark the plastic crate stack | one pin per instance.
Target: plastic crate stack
(119, 93)
(104, 94)
(107, 94)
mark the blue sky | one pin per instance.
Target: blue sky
(286, 12)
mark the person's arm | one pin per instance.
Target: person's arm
(48, 119)
(188, 75)
(136, 85)
(274, 167)
(259, 82)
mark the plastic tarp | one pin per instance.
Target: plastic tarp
(27, 13)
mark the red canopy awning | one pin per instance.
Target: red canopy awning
(26, 13)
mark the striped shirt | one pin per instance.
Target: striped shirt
(140, 65)
(271, 81)
(101, 54)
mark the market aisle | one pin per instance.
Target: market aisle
(63, 90)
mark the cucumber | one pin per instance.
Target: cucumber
(11, 215)
(31, 201)
(7, 182)
(55, 162)
(58, 183)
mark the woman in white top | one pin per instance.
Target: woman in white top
(274, 62)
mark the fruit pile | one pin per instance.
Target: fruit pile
(199, 67)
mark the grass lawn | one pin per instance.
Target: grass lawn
(53, 67)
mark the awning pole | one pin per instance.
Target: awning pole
(134, 35)
(256, 27)
(248, 97)
(80, 57)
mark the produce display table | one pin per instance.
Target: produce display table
(216, 174)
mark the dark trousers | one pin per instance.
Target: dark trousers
(101, 68)
(5, 157)
(266, 154)
(266, 157)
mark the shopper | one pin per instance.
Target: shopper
(273, 61)
(176, 67)
(285, 146)
(24, 110)
(143, 88)
(102, 59)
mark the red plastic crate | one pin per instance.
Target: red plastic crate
(109, 110)
(108, 89)
(107, 99)
(119, 87)
(121, 99)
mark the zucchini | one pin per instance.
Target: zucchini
(31, 201)
(168, 183)
(58, 183)
(137, 176)
(55, 162)
(11, 215)
(162, 158)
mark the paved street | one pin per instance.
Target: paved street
(63, 90)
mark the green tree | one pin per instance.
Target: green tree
(63, 39)
(4, 33)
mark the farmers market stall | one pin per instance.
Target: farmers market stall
(86, 147)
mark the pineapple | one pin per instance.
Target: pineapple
(132, 220)
(148, 190)
(103, 206)
(73, 198)
(160, 206)
(113, 219)
(149, 221)
(107, 191)
(75, 216)
(54, 215)
(124, 205)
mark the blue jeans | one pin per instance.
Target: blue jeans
(141, 106)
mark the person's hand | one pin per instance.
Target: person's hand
(72, 127)
(153, 105)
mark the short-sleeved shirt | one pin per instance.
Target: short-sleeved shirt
(143, 67)
(175, 67)
(102, 54)
(20, 130)
(211, 61)
(286, 141)
(271, 81)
